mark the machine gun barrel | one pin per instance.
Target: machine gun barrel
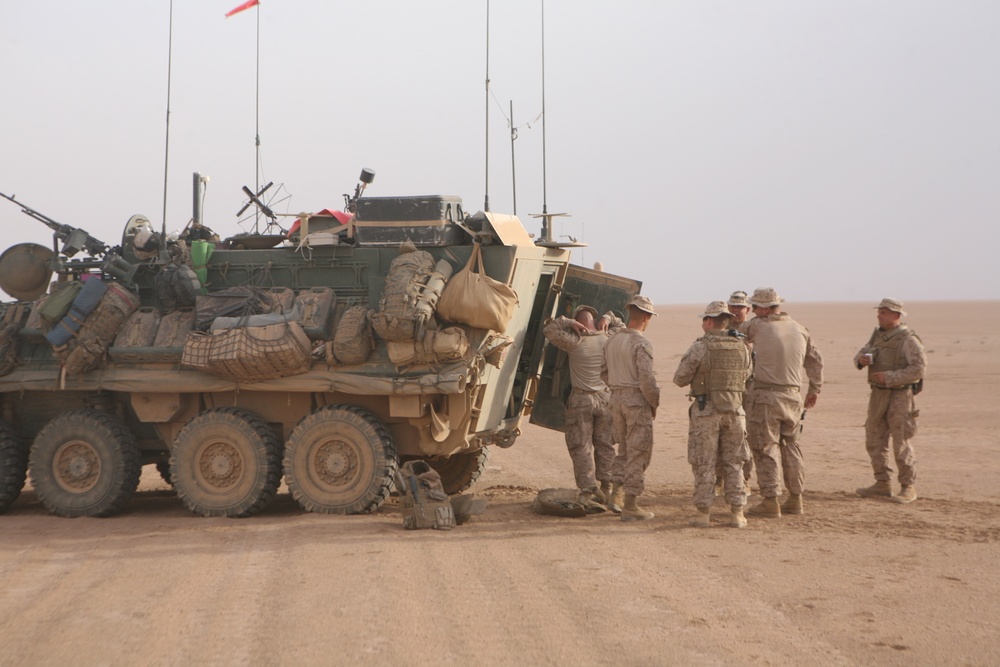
(73, 238)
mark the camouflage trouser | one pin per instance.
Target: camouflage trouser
(717, 440)
(588, 436)
(891, 412)
(773, 418)
(633, 431)
(720, 469)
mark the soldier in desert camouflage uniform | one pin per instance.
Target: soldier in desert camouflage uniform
(774, 404)
(716, 367)
(739, 306)
(588, 412)
(895, 359)
(628, 370)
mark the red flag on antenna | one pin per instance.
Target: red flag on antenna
(246, 5)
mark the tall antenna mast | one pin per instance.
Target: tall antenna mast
(513, 175)
(545, 196)
(486, 202)
(166, 149)
(257, 167)
(547, 239)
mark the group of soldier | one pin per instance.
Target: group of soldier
(745, 379)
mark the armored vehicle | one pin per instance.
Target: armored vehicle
(233, 364)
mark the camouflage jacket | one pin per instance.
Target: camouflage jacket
(628, 362)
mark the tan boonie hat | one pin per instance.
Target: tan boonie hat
(642, 303)
(893, 305)
(583, 307)
(765, 297)
(738, 298)
(715, 309)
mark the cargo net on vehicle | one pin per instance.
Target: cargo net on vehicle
(250, 354)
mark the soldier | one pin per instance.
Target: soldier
(717, 367)
(739, 306)
(588, 408)
(774, 404)
(628, 370)
(895, 359)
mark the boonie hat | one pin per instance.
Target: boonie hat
(715, 309)
(642, 303)
(738, 298)
(583, 307)
(893, 305)
(765, 297)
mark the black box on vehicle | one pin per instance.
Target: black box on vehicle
(425, 220)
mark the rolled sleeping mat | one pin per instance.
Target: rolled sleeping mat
(84, 303)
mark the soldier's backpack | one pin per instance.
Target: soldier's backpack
(425, 504)
(353, 342)
(89, 348)
(405, 306)
(565, 502)
(177, 285)
(10, 324)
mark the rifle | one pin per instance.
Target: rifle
(74, 239)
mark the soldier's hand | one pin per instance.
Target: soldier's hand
(879, 377)
(811, 400)
(603, 323)
(578, 327)
(864, 360)
(654, 413)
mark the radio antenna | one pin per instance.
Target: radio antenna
(547, 238)
(486, 202)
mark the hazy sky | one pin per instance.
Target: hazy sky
(838, 151)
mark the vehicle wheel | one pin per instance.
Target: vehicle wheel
(226, 462)
(13, 467)
(459, 471)
(84, 463)
(340, 460)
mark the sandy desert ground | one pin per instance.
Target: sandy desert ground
(850, 582)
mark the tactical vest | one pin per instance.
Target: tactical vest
(888, 350)
(723, 372)
(425, 504)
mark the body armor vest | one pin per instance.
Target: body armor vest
(723, 372)
(888, 350)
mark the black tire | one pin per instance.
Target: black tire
(459, 471)
(13, 467)
(226, 462)
(340, 460)
(84, 463)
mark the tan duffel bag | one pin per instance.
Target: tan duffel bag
(472, 297)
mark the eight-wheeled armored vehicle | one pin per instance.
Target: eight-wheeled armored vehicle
(232, 364)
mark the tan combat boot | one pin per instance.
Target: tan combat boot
(906, 495)
(616, 499)
(768, 507)
(880, 488)
(701, 519)
(632, 512)
(738, 520)
(793, 505)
